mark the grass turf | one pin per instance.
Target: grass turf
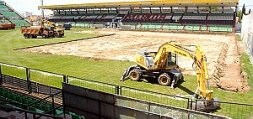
(107, 71)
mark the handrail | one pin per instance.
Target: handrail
(26, 111)
(52, 95)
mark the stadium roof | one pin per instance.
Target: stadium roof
(145, 3)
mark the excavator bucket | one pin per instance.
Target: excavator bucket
(205, 105)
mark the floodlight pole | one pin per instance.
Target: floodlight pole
(42, 10)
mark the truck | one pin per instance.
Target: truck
(7, 26)
(47, 29)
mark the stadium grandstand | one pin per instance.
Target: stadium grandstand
(180, 15)
(8, 14)
(3, 19)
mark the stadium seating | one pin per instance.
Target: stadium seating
(83, 18)
(149, 26)
(1, 2)
(179, 18)
(192, 10)
(168, 18)
(194, 18)
(155, 11)
(220, 19)
(176, 17)
(203, 10)
(19, 22)
(144, 18)
(228, 10)
(12, 15)
(168, 10)
(3, 19)
(179, 10)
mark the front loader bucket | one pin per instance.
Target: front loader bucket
(126, 73)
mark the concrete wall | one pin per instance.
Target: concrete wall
(247, 34)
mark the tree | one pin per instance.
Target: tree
(239, 15)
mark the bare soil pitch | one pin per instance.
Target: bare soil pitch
(221, 51)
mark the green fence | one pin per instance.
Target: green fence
(98, 86)
(220, 29)
(235, 110)
(173, 27)
(150, 96)
(46, 78)
(15, 71)
(180, 27)
(82, 25)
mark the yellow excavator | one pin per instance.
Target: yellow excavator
(162, 66)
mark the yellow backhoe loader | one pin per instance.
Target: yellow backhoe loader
(162, 66)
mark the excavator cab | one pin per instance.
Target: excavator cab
(167, 74)
(172, 59)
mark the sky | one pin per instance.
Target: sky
(23, 6)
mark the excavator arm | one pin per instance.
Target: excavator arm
(159, 62)
(160, 58)
(199, 64)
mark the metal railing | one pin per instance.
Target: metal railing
(164, 110)
(17, 101)
(29, 114)
(181, 27)
(105, 105)
(235, 110)
(44, 82)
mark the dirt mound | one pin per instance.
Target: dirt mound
(228, 74)
(218, 73)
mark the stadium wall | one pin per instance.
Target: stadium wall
(247, 34)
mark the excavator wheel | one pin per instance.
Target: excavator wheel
(134, 75)
(164, 79)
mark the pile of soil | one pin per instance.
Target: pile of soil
(228, 74)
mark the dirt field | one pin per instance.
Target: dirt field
(221, 51)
